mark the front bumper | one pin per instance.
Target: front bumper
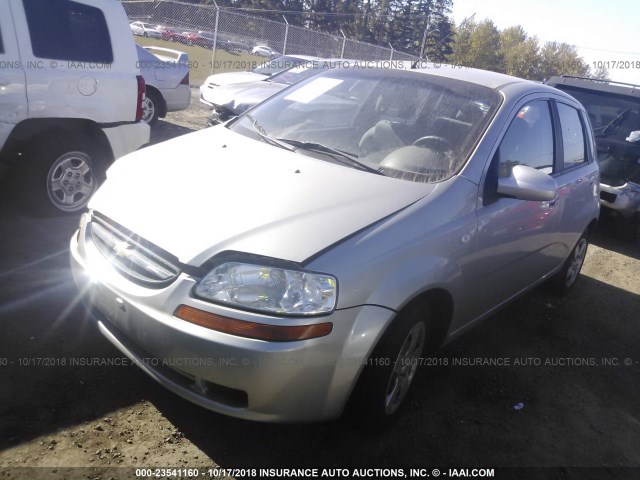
(308, 380)
(625, 199)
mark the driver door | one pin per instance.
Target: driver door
(517, 244)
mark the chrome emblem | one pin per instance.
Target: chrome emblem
(122, 249)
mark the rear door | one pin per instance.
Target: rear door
(13, 94)
(577, 174)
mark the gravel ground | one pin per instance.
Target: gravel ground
(578, 408)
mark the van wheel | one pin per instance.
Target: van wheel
(565, 279)
(390, 370)
(61, 175)
(151, 107)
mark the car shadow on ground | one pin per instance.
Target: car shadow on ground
(43, 326)
(618, 234)
(163, 130)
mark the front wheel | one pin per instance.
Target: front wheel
(565, 279)
(389, 372)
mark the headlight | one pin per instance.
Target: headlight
(270, 289)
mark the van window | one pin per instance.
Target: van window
(1, 45)
(66, 30)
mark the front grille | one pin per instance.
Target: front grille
(134, 257)
(608, 197)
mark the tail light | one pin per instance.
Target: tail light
(185, 80)
(141, 89)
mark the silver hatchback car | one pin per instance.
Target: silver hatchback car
(305, 255)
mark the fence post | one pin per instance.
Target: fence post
(424, 40)
(215, 40)
(391, 46)
(344, 42)
(155, 7)
(286, 35)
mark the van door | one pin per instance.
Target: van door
(13, 93)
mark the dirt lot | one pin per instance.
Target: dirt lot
(571, 410)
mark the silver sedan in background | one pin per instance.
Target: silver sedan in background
(302, 258)
(166, 75)
(231, 100)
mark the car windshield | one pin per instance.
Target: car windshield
(278, 65)
(616, 125)
(406, 125)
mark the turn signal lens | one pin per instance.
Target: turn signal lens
(259, 331)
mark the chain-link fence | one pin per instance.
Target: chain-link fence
(236, 32)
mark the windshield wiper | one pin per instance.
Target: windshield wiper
(604, 131)
(263, 134)
(344, 157)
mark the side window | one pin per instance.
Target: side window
(572, 136)
(528, 141)
(1, 44)
(66, 30)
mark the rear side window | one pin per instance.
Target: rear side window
(529, 140)
(1, 45)
(66, 30)
(572, 136)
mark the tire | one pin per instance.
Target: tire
(384, 383)
(563, 281)
(151, 107)
(61, 174)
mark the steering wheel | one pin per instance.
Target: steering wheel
(433, 142)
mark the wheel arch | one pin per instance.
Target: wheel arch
(31, 130)
(439, 302)
(163, 102)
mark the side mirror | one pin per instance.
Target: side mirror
(526, 183)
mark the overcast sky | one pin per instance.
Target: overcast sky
(601, 30)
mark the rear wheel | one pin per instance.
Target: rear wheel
(60, 175)
(151, 107)
(565, 279)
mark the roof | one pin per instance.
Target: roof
(481, 77)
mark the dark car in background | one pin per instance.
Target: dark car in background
(614, 112)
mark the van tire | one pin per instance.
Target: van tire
(60, 174)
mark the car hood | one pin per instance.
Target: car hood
(234, 77)
(216, 190)
(240, 97)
